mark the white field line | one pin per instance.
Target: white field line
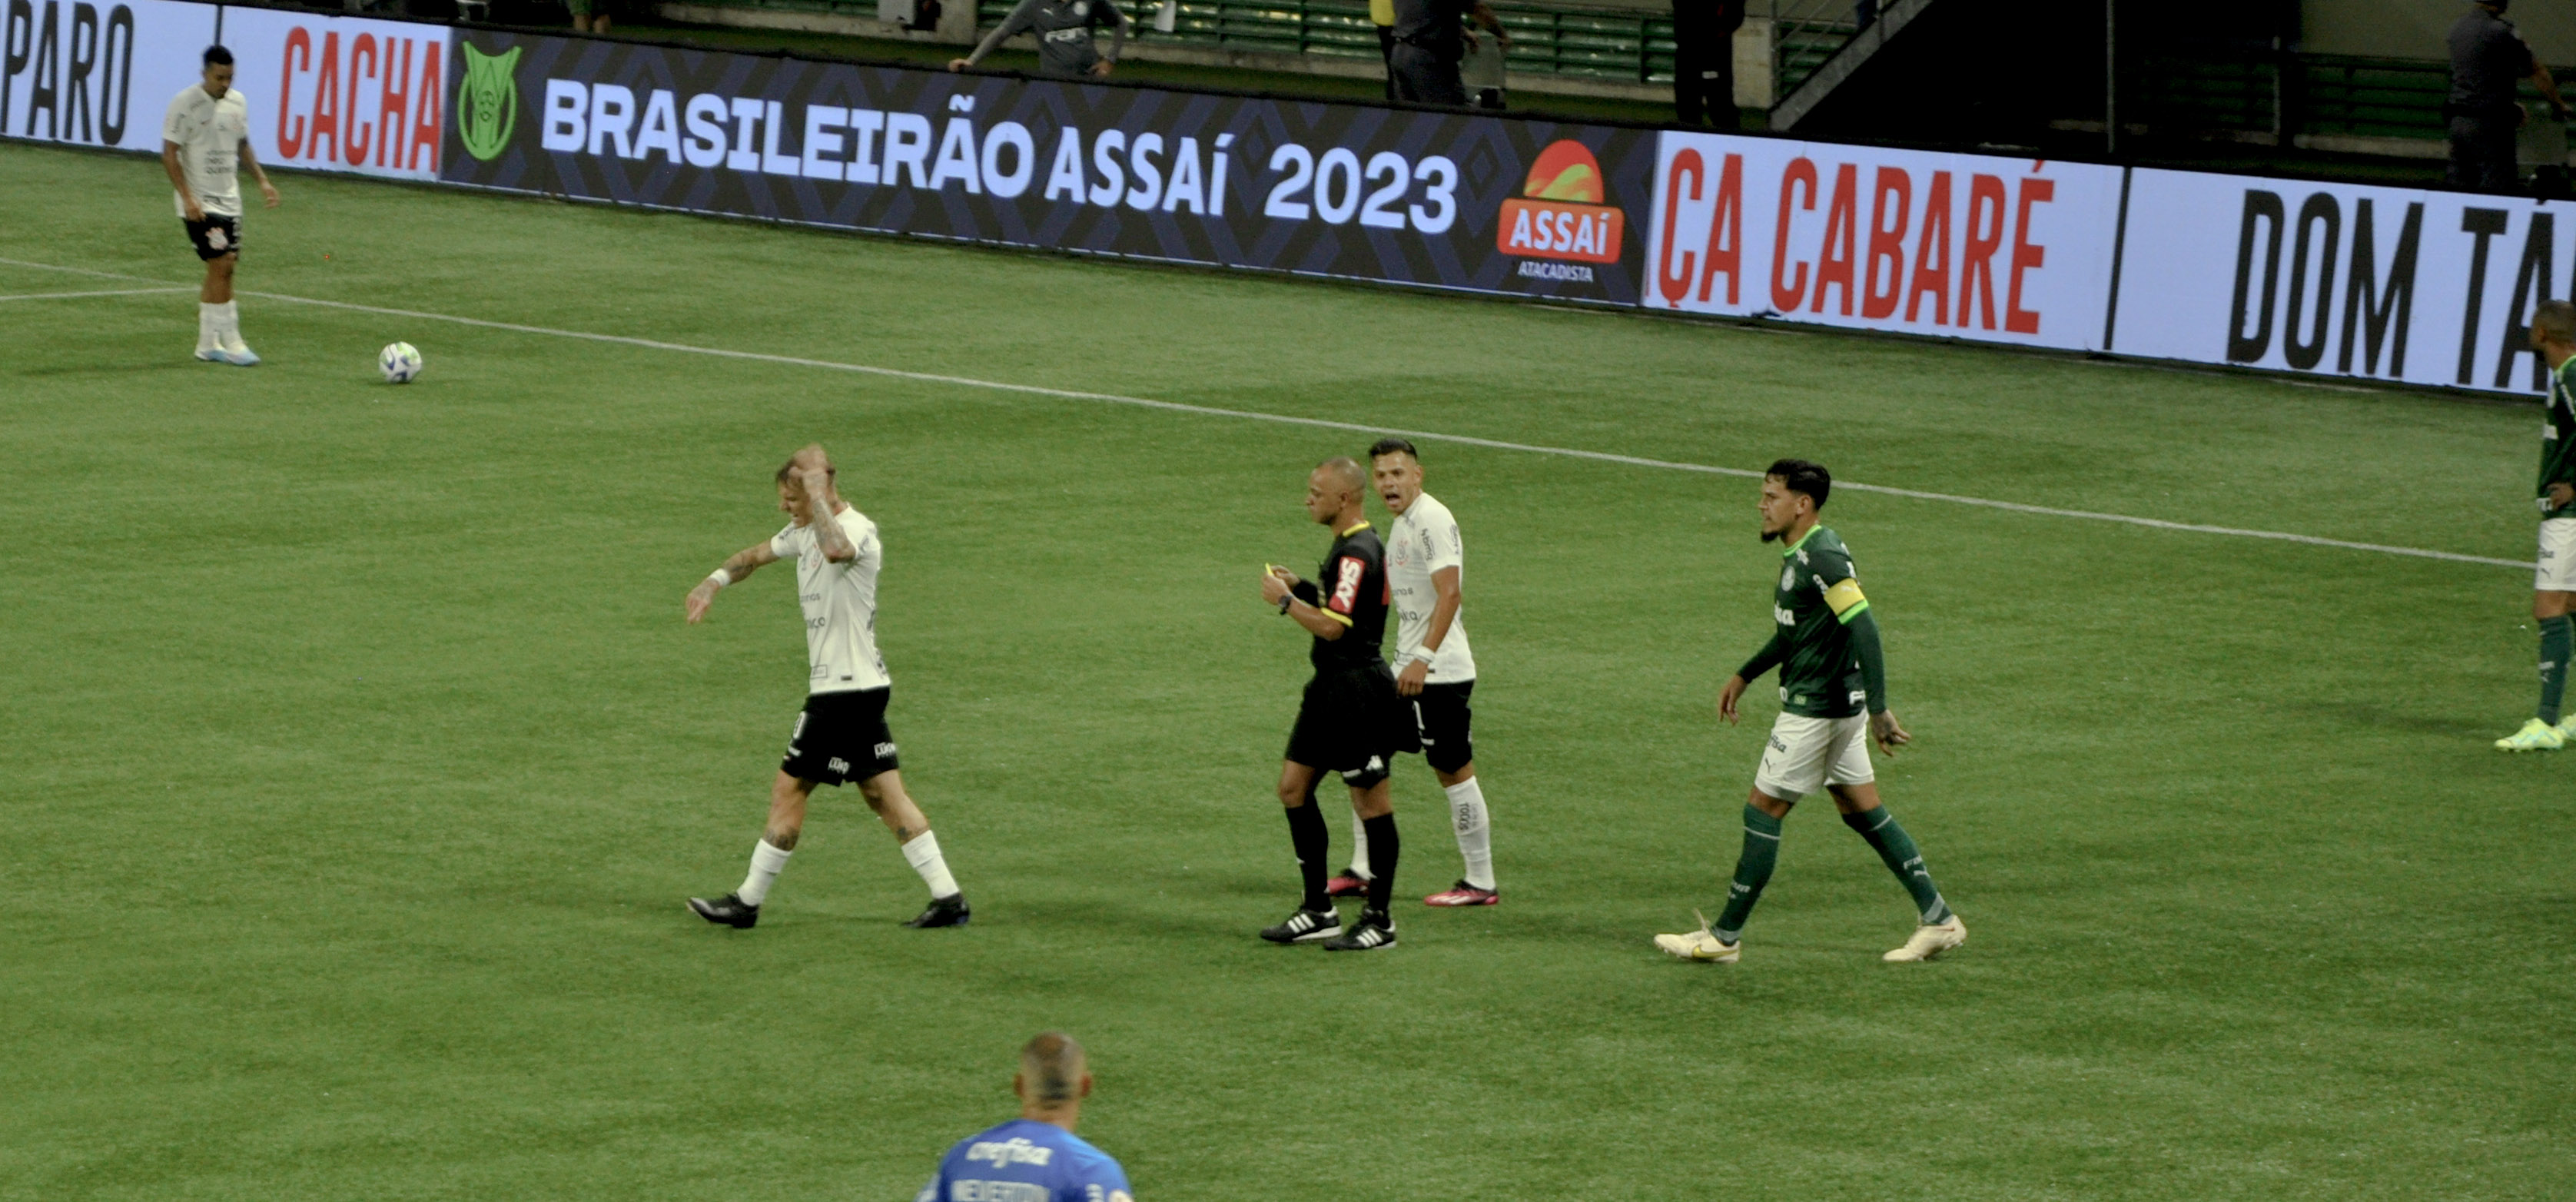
(107, 292)
(1324, 423)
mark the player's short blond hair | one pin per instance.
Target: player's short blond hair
(1052, 1066)
(2555, 320)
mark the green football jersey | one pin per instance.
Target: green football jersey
(1817, 596)
(2558, 440)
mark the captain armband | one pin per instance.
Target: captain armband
(1845, 599)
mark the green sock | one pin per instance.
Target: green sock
(1752, 872)
(2557, 642)
(1897, 848)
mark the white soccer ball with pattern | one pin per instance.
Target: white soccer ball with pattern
(399, 361)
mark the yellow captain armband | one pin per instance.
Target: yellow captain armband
(1845, 600)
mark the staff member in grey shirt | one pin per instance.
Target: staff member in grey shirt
(2488, 59)
(1063, 29)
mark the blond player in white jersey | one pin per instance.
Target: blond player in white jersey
(205, 142)
(841, 737)
(1434, 670)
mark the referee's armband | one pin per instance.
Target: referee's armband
(1843, 597)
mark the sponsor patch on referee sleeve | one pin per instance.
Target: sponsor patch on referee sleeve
(1843, 597)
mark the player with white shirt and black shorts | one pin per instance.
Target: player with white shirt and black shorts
(841, 737)
(1435, 672)
(205, 142)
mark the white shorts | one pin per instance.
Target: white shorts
(1808, 753)
(2557, 556)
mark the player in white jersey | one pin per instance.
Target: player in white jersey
(1434, 669)
(841, 737)
(205, 142)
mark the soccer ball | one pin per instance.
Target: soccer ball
(400, 362)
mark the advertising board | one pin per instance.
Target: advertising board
(2338, 279)
(342, 93)
(97, 74)
(1960, 246)
(1447, 200)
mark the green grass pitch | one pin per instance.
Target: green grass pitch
(357, 759)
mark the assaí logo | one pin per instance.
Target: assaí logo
(487, 102)
(1561, 215)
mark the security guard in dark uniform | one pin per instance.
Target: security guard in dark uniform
(1704, 62)
(1429, 40)
(2488, 59)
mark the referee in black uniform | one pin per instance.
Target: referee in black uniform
(1351, 720)
(2488, 60)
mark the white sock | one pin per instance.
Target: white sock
(210, 326)
(228, 325)
(1475, 831)
(1359, 847)
(923, 852)
(766, 863)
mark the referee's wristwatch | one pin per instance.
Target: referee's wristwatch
(1285, 602)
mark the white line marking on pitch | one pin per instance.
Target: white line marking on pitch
(107, 292)
(2309, 540)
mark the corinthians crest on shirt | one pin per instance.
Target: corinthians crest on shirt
(1561, 215)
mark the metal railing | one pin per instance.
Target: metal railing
(1575, 41)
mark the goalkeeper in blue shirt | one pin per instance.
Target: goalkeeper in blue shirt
(1035, 1157)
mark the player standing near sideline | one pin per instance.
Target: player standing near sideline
(1349, 719)
(205, 141)
(1035, 1157)
(1826, 644)
(1434, 670)
(2553, 335)
(841, 736)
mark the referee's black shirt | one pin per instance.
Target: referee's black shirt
(1351, 589)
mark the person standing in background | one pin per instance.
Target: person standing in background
(2488, 60)
(1704, 62)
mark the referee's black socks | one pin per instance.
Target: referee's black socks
(1313, 841)
(1382, 846)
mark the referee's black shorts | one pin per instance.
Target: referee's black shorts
(1351, 722)
(1440, 722)
(841, 738)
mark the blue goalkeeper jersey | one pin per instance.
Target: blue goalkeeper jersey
(1027, 1161)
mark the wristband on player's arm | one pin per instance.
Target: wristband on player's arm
(719, 577)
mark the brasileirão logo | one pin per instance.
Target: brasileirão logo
(487, 105)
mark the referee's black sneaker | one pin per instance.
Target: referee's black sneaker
(1374, 930)
(729, 910)
(1305, 926)
(949, 911)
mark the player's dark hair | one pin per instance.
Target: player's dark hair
(787, 472)
(1390, 445)
(217, 56)
(1800, 476)
(2555, 320)
(1052, 1065)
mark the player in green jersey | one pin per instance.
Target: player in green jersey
(1825, 643)
(2553, 334)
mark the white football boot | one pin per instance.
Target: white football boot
(1701, 945)
(1929, 940)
